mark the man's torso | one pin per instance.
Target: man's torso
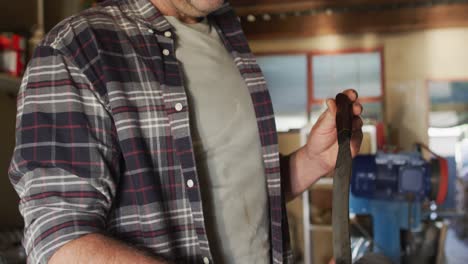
(127, 56)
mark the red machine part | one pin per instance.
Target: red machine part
(444, 175)
(381, 135)
(443, 181)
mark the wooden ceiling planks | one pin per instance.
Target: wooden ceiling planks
(354, 21)
(247, 7)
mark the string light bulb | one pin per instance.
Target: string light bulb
(251, 18)
(329, 11)
(266, 17)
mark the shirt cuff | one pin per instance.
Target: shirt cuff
(285, 173)
(49, 235)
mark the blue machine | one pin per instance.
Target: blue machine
(391, 177)
(391, 188)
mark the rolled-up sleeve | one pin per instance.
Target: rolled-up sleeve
(65, 163)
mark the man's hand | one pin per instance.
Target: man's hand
(322, 144)
(318, 157)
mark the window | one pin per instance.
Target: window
(448, 114)
(286, 76)
(299, 83)
(360, 70)
(449, 103)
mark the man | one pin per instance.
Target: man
(145, 134)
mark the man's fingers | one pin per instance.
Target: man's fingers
(352, 94)
(357, 123)
(356, 140)
(331, 106)
(357, 108)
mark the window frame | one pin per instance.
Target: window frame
(311, 101)
(428, 96)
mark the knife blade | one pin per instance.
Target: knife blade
(341, 179)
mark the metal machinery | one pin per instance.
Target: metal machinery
(396, 201)
(391, 190)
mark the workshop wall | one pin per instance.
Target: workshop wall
(22, 16)
(17, 17)
(57, 10)
(10, 216)
(410, 59)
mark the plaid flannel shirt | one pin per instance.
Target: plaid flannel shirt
(103, 136)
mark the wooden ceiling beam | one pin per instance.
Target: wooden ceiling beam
(247, 7)
(274, 8)
(320, 2)
(438, 16)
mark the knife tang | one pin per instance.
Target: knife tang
(344, 116)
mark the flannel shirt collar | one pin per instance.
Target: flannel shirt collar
(146, 12)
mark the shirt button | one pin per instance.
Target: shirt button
(190, 183)
(179, 107)
(150, 31)
(168, 34)
(166, 52)
(206, 260)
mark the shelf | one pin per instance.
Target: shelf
(324, 183)
(327, 228)
(9, 84)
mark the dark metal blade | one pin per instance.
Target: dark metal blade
(340, 213)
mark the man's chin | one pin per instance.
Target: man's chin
(207, 6)
(197, 8)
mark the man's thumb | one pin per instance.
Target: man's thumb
(331, 105)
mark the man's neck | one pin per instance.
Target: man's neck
(168, 9)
